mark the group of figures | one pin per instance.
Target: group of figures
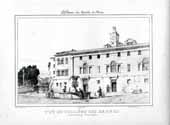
(78, 92)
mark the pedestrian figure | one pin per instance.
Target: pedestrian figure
(64, 90)
(51, 93)
(100, 92)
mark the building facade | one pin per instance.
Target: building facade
(112, 68)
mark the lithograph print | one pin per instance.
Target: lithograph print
(88, 60)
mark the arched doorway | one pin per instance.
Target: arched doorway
(85, 84)
(113, 85)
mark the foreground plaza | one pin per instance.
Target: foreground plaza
(34, 98)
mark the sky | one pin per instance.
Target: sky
(41, 38)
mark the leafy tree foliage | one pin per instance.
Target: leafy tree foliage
(28, 75)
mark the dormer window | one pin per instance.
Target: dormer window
(130, 42)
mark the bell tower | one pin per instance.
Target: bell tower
(114, 37)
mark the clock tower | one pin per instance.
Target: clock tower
(114, 37)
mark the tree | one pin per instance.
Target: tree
(21, 76)
(28, 75)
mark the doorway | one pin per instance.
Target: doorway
(85, 85)
(113, 85)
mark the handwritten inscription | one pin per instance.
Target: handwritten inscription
(81, 112)
(68, 12)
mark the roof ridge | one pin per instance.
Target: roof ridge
(94, 50)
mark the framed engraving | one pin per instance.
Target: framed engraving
(83, 60)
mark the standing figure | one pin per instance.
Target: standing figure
(65, 88)
(100, 92)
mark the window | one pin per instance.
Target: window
(113, 66)
(53, 72)
(60, 84)
(66, 72)
(53, 65)
(139, 52)
(90, 68)
(98, 81)
(107, 88)
(128, 81)
(107, 68)
(128, 67)
(66, 60)
(58, 72)
(98, 56)
(58, 61)
(146, 80)
(128, 53)
(65, 83)
(57, 84)
(107, 55)
(119, 67)
(85, 68)
(139, 65)
(62, 61)
(62, 72)
(80, 70)
(90, 56)
(81, 57)
(98, 69)
(145, 64)
(118, 54)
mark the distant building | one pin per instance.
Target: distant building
(112, 68)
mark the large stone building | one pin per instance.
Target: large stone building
(113, 67)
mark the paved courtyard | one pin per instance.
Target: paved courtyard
(34, 98)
